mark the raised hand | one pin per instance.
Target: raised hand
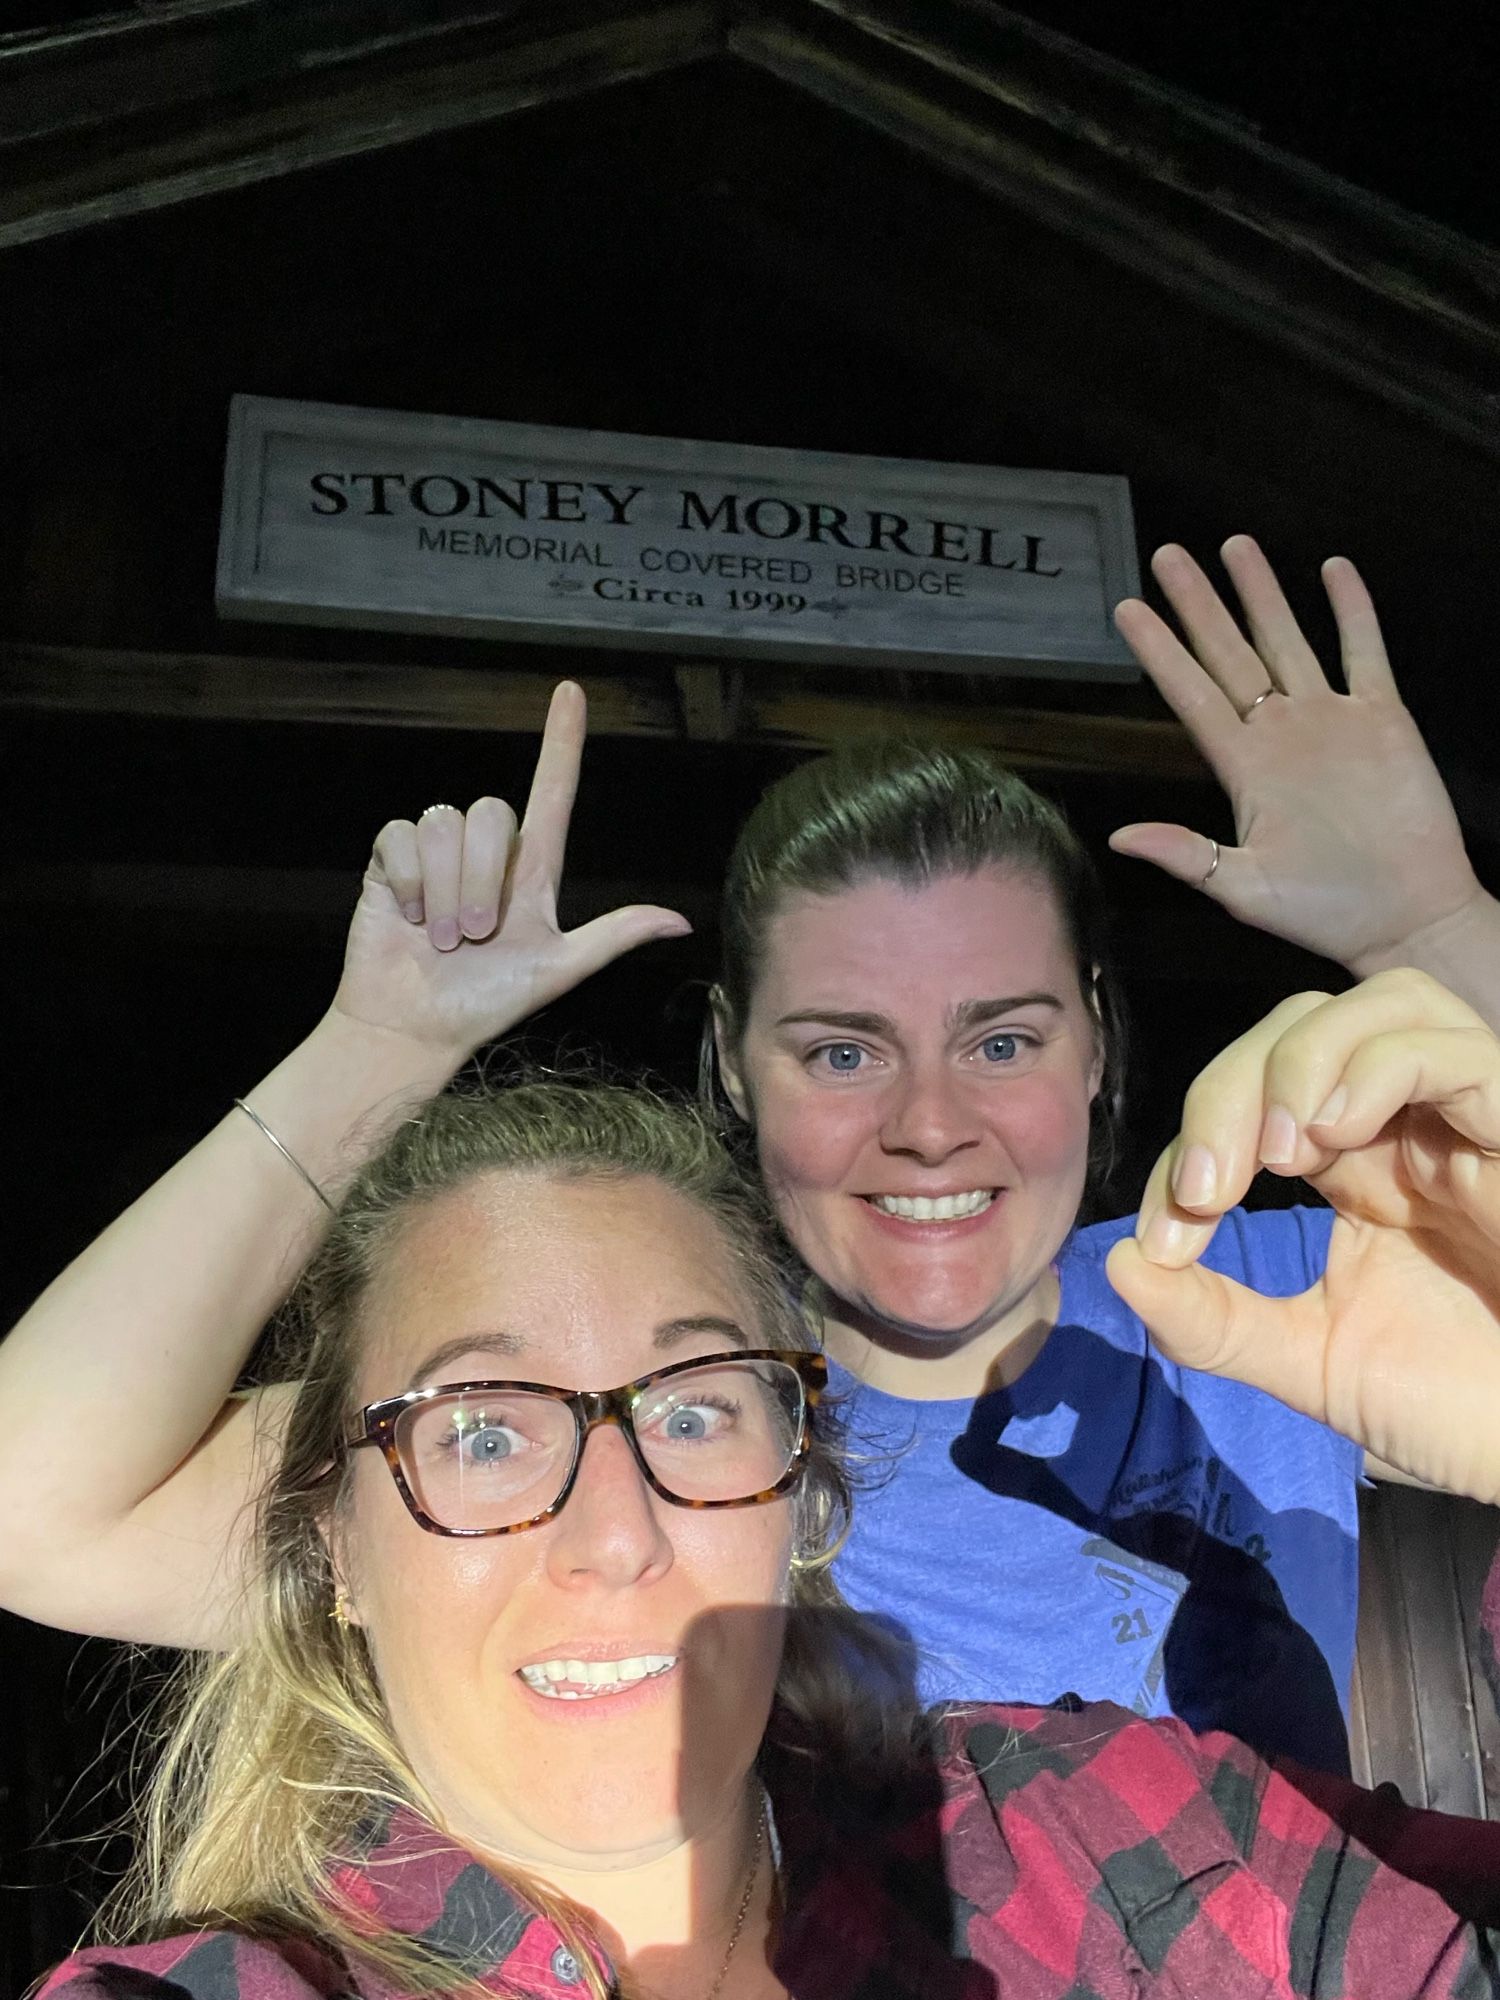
(1348, 844)
(455, 938)
(1386, 1099)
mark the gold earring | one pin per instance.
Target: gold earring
(340, 1614)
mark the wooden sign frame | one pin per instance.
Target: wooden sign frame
(356, 517)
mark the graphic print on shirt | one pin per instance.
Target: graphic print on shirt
(1141, 1599)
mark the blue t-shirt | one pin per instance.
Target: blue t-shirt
(1115, 1526)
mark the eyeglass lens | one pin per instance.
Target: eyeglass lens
(726, 1431)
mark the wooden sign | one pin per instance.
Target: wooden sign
(336, 516)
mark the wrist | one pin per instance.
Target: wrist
(339, 1095)
(385, 1056)
(1451, 947)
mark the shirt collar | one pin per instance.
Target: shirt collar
(408, 1877)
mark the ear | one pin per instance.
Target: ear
(730, 1074)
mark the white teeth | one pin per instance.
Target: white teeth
(580, 1680)
(925, 1208)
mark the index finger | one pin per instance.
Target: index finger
(554, 785)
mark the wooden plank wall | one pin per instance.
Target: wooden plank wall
(1422, 1715)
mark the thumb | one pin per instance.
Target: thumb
(600, 942)
(1201, 1319)
(1175, 849)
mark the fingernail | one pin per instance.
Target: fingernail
(412, 912)
(1164, 1239)
(1195, 1178)
(477, 923)
(444, 933)
(1334, 1109)
(1278, 1137)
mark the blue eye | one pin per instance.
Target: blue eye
(842, 1057)
(1000, 1048)
(487, 1446)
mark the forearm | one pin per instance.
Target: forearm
(1460, 951)
(138, 1343)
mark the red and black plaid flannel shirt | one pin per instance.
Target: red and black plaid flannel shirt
(1066, 1853)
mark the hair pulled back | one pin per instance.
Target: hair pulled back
(277, 1757)
(916, 812)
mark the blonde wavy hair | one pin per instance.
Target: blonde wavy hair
(276, 1757)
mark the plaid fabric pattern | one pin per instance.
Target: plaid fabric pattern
(1066, 1853)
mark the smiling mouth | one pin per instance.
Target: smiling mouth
(588, 1680)
(933, 1208)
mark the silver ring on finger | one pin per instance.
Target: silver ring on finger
(1213, 865)
(1264, 695)
(435, 809)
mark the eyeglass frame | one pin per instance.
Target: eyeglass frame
(590, 1408)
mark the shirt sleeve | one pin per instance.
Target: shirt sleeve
(96, 1976)
(207, 1965)
(1352, 1926)
(1458, 1858)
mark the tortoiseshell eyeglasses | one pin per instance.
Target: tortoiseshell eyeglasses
(493, 1458)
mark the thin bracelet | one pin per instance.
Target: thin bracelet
(290, 1157)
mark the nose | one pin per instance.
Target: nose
(929, 1117)
(610, 1531)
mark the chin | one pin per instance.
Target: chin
(937, 1323)
(603, 1818)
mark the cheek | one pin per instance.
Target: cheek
(1044, 1123)
(412, 1589)
(734, 1555)
(807, 1142)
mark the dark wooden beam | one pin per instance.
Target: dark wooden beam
(777, 708)
(1154, 181)
(308, 908)
(301, 906)
(712, 699)
(135, 112)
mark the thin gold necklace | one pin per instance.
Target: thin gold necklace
(752, 1876)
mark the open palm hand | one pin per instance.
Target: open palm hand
(1346, 841)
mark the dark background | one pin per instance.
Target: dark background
(702, 256)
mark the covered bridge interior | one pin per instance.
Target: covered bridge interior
(941, 232)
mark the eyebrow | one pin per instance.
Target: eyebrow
(473, 1343)
(969, 1015)
(670, 1333)
(972, 1012)
(673, 1331)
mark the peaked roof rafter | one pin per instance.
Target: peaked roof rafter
(131, 113)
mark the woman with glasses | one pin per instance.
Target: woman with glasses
(540, 1682)
(915, 1019)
